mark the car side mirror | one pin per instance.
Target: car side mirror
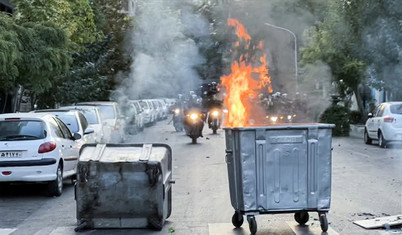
(76, 136)
(89, 131)
(370, 115)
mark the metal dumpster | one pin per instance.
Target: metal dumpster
(123, 186)
(279, 169)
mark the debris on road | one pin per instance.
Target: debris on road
(381, 222)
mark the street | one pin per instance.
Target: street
(366, 183)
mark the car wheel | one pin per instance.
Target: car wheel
(55, 187)
(381, 141)
(367, 139)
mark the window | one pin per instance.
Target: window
(35, 129)
(55, 127)
(64, 129)
(107, 111)
(381, 110)
(396, 109)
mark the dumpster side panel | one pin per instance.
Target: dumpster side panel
(324, 169)
(286, 169)
(273, 169)
(123, 186)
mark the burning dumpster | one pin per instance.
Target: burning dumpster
(123, 186)
(279, 169)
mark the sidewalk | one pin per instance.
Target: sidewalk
(356, 131)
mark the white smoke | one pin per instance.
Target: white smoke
(165, 57)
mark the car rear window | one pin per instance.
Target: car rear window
(22, 130)
(396, 108)
(90, 115)
(107, 111)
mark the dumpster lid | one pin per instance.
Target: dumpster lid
(124, 152)
(285, 126)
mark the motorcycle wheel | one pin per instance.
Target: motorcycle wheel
(194, 140)
(214, 130)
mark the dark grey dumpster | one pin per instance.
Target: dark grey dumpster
(124, 186)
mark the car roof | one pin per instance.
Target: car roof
(97, 103)
(55, 111)
(26, 115)
(79, 107)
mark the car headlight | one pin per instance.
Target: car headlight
(215, 113)
(193, 116)
(274, 118)
(289, 117)
(177, 111)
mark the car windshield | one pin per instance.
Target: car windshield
(107, 111)
(396, 109)
(22, 130)
(69, 119)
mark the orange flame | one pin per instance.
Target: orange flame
(246, 80)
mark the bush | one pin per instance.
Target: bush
(338, 115)
(355, 117)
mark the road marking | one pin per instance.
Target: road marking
(229, 229)
(309, 229)
(6, 231)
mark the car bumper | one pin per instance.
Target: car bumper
(28, 173)
(392, 134)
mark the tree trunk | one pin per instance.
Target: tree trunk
(359, 101)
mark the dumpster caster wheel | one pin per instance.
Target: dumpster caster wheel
(252, 224)
(301, 217)
(323, 222)
(237, 219)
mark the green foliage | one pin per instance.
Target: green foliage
(355, 117)
(75, 17)
(338, 115)
(9, 52)
(45, 55)
(84, 81)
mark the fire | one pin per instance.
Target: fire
(248, 78)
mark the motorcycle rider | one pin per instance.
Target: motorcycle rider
(193, 104)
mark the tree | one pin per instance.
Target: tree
(75, 17)
(337, 42)
(9, 52)
(45, 55)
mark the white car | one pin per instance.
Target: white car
(74, 120)
(37, 147)
(385, 125)
(114, 122)
(149, 115)
(94, 118)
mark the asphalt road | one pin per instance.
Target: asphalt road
(366, 183)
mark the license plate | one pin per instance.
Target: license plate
(10, 154)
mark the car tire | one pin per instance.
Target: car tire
(367, 139)
(381, 141)
(55, 187)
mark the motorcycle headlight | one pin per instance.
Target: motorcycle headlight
(193, 116)
(215, 113)
(289, 117)
(177, 111)
(274, 118)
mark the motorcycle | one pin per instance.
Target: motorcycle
(193, 124)
(177, 119)
(214, 119)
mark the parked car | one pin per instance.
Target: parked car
(75, 121)
(94, 118)
(149, 114)
(37, 147)
(385, 125)
(165, 108)
(134, 118)
(113, 119)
